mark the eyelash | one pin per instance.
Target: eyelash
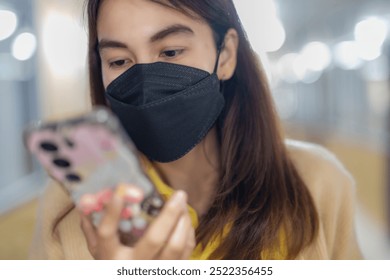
(177, 52)
(114, 64)
(123, 62)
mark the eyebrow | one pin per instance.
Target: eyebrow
(171, 30)
(106, 44)
(160, 35)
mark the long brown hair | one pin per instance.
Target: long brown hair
(260, 193)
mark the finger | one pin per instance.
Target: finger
(160, 230)
(107, 231)
(190, 245)
(90, 234)
(177, 241)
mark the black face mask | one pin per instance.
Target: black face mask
(166, 109)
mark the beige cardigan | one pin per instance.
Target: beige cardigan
(330, 184)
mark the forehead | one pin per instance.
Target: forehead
(141, 18)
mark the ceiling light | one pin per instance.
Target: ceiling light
(346, 55)
(24, 46)
(8, 23)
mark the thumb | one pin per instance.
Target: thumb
(89, 233)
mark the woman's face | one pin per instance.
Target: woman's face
(140, 31)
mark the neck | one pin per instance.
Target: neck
(197, 173)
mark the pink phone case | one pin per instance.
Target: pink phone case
(90, 156)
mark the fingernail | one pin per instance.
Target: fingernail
(130, 193)
(179, 198)
(121, 190)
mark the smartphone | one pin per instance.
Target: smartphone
(91, 157)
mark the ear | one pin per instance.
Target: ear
(228, 56)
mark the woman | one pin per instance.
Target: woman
(186, 85)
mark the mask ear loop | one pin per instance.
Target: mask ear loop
(219, 49)
(221, 119)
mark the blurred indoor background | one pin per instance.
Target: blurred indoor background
(327, 62)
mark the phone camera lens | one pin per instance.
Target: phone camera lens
(73, 177)
(49, 146)
(60, 162)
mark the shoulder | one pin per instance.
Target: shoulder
(333, 191)
(324, 174)
(46, 242)
(58, 234)
(305, 154)
(55, 202)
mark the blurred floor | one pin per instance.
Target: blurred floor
(372, 237)
(16, 229)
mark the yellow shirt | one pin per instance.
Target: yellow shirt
(167, 192)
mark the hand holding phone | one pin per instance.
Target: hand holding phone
(170, 236)
(92, 157)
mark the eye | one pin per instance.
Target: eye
(171, 53)
(118, 63)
